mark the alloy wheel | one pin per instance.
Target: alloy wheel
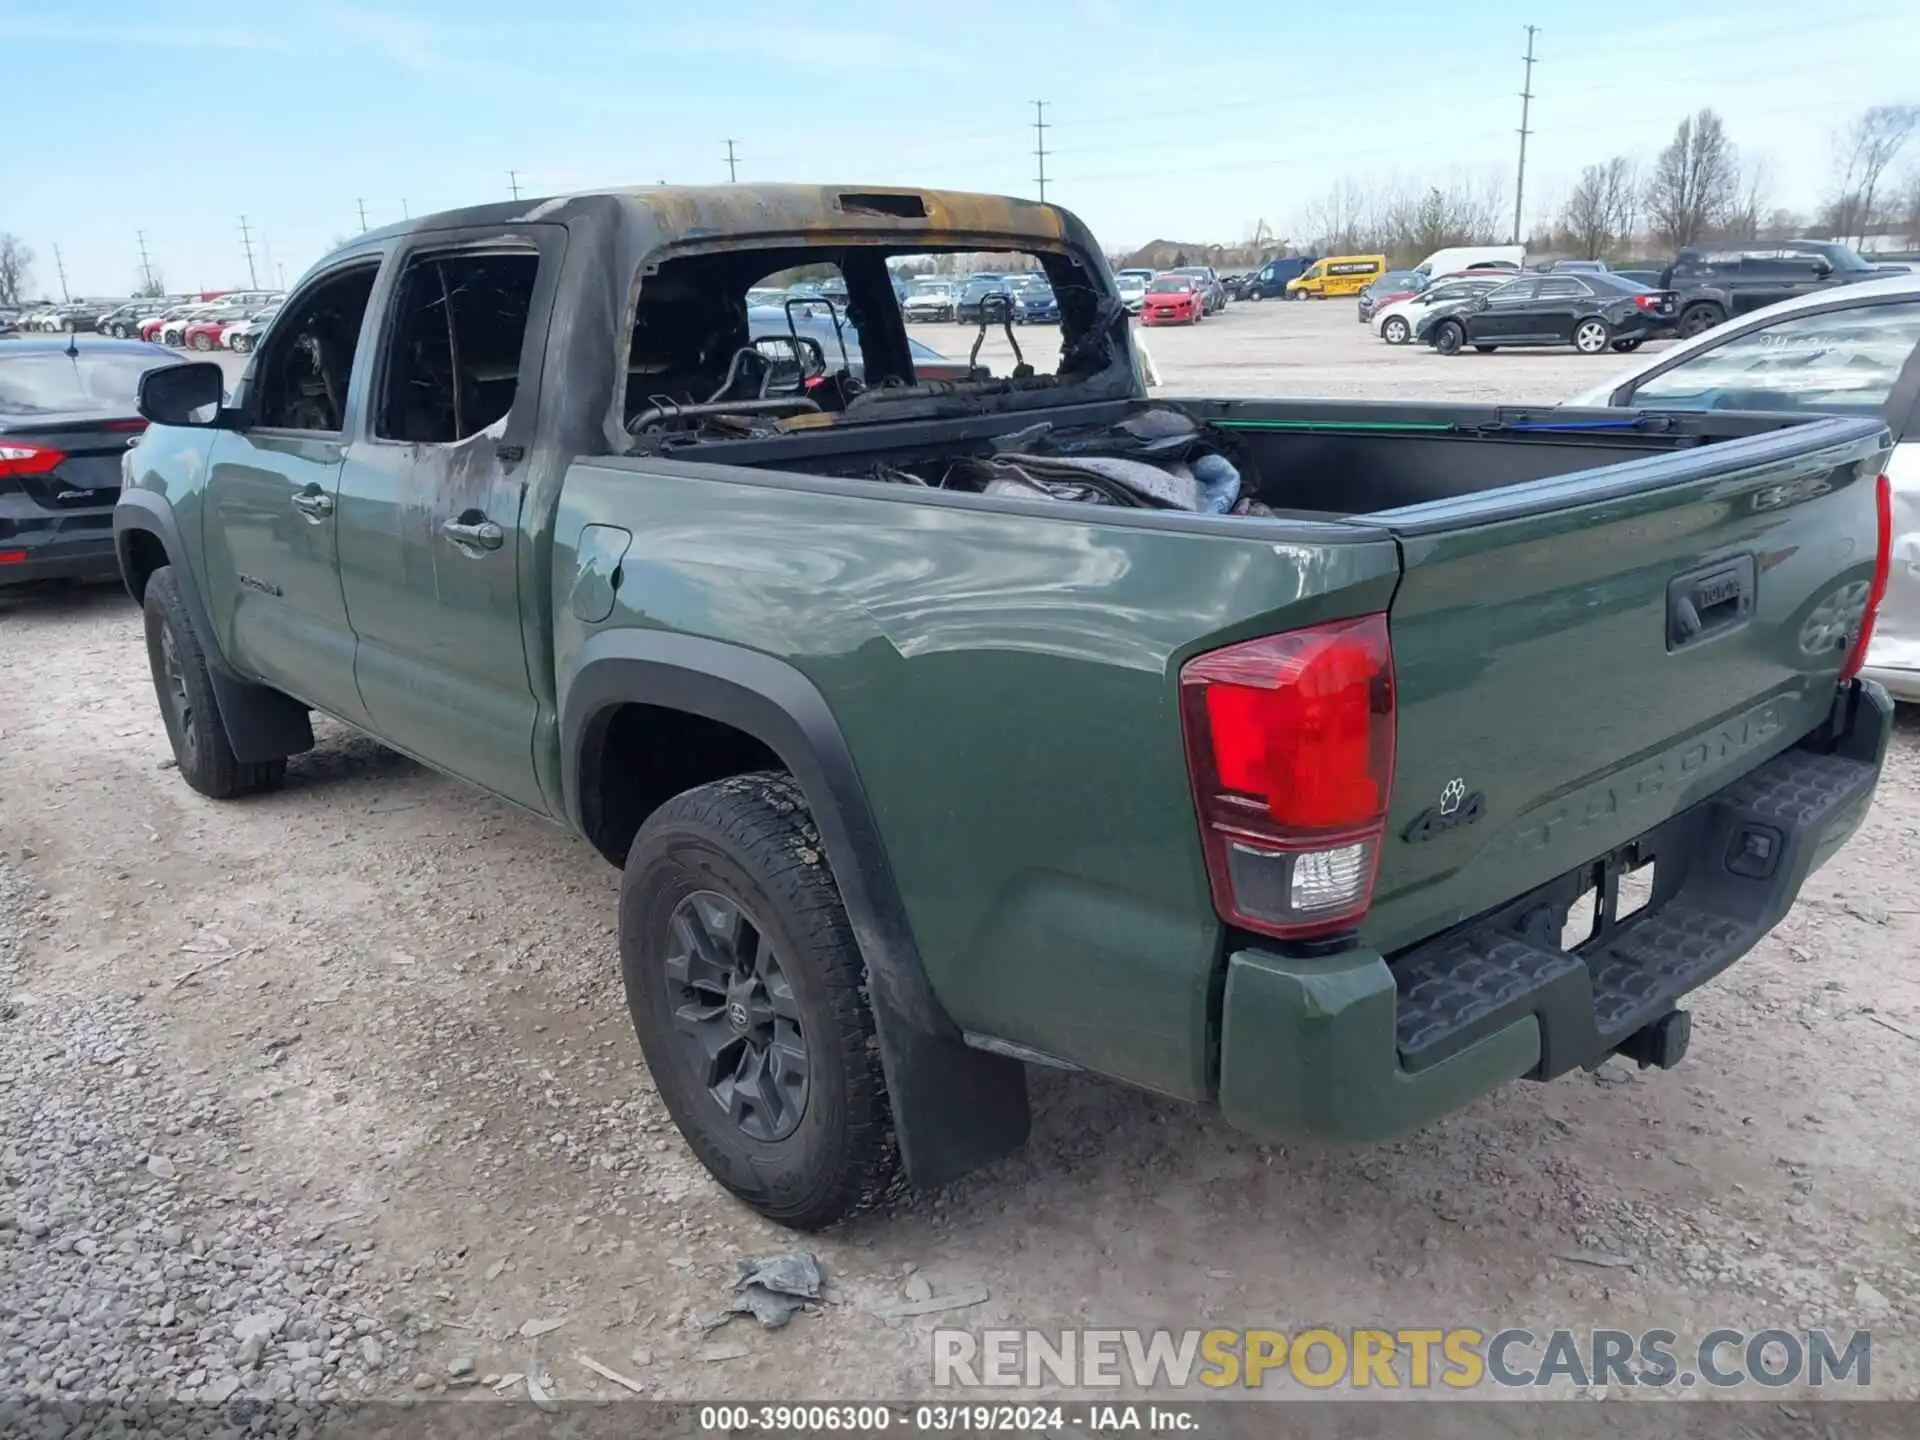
(735, 1016)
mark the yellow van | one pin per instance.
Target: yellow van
(1337, 275)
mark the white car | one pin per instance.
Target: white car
(929, 302)
(244, 336)
(1851, 350)
(1397, 322)
(1133, 289)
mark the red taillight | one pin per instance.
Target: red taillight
(13, 557)
(1290, 748)
(1877, 591)
(18, 457)
(125, 425)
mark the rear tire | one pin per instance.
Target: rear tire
(1626, 347)
(748, 995)
(1485, 349)
(1592, 337)
(187, 704)
(1448, 337)
(1700, 318)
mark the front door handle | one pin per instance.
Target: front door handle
(315, 504)
(472, 531)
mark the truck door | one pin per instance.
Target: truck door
(435, 555)
(273, 581)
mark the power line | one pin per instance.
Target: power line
(1040, 144)
(733, 172)
(363, 215)
(61, 266)
(1526, 103)
(513, 181)
(246, 244)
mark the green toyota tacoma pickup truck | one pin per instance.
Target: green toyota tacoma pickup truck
(1332, 763)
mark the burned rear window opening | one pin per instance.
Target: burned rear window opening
(701, 365)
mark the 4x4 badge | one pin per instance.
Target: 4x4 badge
(1456, 809)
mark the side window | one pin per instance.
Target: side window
(1837, 360)
(301, 383)
(1561, 288)
(454, 339)
(1514, 290)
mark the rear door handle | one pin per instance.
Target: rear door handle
(472, 531)
(316, 505)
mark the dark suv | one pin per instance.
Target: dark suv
(1713, 284)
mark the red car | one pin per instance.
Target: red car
(1173, 300)
(205, 332)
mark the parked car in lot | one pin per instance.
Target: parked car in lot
(243, 335)
(1398, 321)
(1269, 282)
(1392, 286)
(1034, 302)
(68, 410)
(928, 363)
(1592, 312)
(929, 300)
(169, 327)
(1853, 351)
(205, 330)
(1132, 288)
(1714, 284)
(1452, 259)
(1336, 275)
(71, 317)
(955, 729)
(123, 321)
(1213, 294)
(970, 304)
(1174, 298)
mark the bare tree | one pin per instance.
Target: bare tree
(1360, 216)
(1864, 150)
(1695, 183)
(1910, 209)
(16, 269)
(1748, 215)
(1602, 207)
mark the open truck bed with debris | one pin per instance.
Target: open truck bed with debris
(1332, 763)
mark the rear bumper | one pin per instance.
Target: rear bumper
(1354, 1047)
(85, 559)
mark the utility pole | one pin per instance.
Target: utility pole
(513, 182)
(733, 164)
(61, 266)
(1526, 102)
(363, 215)
(405, 213)
(246, 244)
(146, 265)
(1040, 151)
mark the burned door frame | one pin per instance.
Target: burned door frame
(442, 662)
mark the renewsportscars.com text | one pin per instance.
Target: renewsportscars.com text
(1364, 1358)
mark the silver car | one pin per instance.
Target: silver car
(1854, 350)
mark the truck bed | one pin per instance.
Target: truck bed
(1007, 670)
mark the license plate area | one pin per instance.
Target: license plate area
(1612, 891)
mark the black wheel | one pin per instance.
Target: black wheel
(243, 343)
(1395, 330)
(187, 703)
(1592, 337)
(118, 331)
(1485, 349)
(1698, 319)
(1448, 337)
(748, 995)
(1626, 347)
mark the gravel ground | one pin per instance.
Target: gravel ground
(333, 1092)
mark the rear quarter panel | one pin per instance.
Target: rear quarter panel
(1005, 677)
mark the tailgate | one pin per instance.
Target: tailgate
(1579, 659)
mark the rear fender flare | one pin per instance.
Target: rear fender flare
(954, 1107)
(261, 724)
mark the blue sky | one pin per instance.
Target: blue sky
(1191, 121)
